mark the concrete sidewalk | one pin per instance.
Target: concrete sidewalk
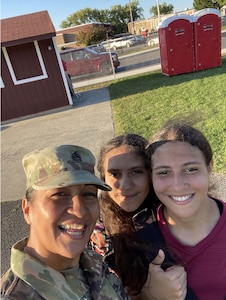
(88, 123)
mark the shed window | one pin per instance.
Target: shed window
(25, 63)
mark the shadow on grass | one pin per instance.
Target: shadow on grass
(142, 83)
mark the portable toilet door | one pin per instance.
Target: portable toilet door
(207, 33)
(176, 45)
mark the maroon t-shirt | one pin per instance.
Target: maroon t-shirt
(205, 262)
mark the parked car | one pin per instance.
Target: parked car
(119, 43)
(140, 39)
(100, 49)
(223, 21)
(84, 61)
(97, 47)
(107, 44)
(153, 41)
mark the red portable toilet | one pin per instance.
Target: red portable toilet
(207, 41)
(176, 45)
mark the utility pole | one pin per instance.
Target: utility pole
(214, 3)
(131, 16)
(158, 10)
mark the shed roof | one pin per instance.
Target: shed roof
(26, 28)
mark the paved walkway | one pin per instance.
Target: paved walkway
(88, 123)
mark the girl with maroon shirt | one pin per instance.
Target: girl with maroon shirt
(192, 222)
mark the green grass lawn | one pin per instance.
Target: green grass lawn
(142, 103)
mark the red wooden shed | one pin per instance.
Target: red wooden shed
(32, 75)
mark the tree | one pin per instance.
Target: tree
(118, 16)
(91, 36)
(163, 9)
(201, 4)
(83, 16)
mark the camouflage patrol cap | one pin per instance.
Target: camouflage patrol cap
(60, 166)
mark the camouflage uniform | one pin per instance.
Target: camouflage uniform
(28, 279)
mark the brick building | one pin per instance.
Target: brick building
(66, 38)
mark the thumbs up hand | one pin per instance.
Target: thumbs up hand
(170, 284)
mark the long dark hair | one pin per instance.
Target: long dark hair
(130, 261)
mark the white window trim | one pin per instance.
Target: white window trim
(30, 79)
(62, 71)
(1, 83)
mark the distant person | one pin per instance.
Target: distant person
(192, 222)
(61, 208)
(144, 32)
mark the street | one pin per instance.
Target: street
(139, 60)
